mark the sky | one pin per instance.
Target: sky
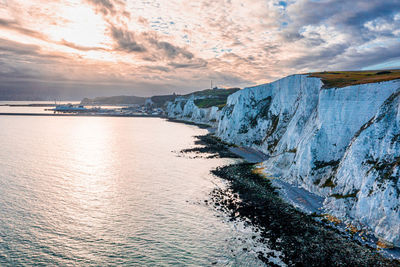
(78, 48)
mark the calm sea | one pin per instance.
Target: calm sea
(110, 191)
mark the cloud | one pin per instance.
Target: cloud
(321, 57)
(125, 40)
(153, 50)
(15, 26)
(178, 45)
(169, 50)
(26, 52)
(159, 68)
(18, 48)
(223, 79)
(354, 59)
(348, 16)
(105, 7)
(196, 64)
(80, 47)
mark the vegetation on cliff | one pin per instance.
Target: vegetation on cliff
(340, 79)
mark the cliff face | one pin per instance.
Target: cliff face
(340, 143)
(185, 109)
(370, 170)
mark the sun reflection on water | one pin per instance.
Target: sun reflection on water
(90, 155)
(106, 191)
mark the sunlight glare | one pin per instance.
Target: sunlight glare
(83, 27)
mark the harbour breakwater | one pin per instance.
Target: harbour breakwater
(339, 143)
(80, 115)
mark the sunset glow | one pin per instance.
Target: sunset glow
(147, 47)
(82, 28)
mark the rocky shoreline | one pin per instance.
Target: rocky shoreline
(304, 240)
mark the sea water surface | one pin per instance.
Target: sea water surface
(23, 106)
(103, 191)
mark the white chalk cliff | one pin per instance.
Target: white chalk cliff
(186, 109)
(340, 143)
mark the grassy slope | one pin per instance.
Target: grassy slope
(346, 78)
(160, 100)
(214, 97)
(209, 102)
(215, 93)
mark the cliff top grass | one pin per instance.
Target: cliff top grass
(210, 102)
(215, 93)
(347, 78)
(216, 98)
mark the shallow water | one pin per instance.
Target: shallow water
(110, 191)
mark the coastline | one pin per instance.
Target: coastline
(200, 125)
(80, 115)
(294, 203)
(298, 197)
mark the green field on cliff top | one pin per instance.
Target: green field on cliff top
(347, 78)
(216, 98)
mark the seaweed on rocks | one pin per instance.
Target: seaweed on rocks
(211, 145)
(303, 240)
